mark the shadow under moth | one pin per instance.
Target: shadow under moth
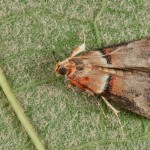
(120, 73)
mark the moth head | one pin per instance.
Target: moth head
(64, 68)
(67, 67)
(61, 70)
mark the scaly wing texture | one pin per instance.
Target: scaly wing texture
(132, 91)
(93, 79)
(134, 55)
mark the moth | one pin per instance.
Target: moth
(120, 73)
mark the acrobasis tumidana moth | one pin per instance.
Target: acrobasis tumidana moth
(120, 73)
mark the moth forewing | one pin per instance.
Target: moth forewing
(134, 55)
(120, 73)
(132, 91)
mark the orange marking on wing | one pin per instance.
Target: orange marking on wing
(86, 82)
(86, 78)
(110, 53)
(77, 84)
(112, 82)
(82, 81)
(106, 50)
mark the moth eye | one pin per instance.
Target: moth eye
(63, 70)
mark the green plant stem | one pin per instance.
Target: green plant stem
(19, 111)
(99, 14)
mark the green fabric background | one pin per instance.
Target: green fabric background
(35, 35)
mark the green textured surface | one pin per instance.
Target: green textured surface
(35, 35)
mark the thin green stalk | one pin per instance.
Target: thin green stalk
(19, 111)
(99, 14)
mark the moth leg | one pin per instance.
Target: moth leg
(89, 92)
(114, 111)
(70, 87)
(99, 106)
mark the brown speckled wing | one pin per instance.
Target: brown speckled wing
(133, 55)
(120, 73)
(132, 92)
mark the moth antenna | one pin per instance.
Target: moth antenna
(79, 49)
(115, 112)
(84, 37)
